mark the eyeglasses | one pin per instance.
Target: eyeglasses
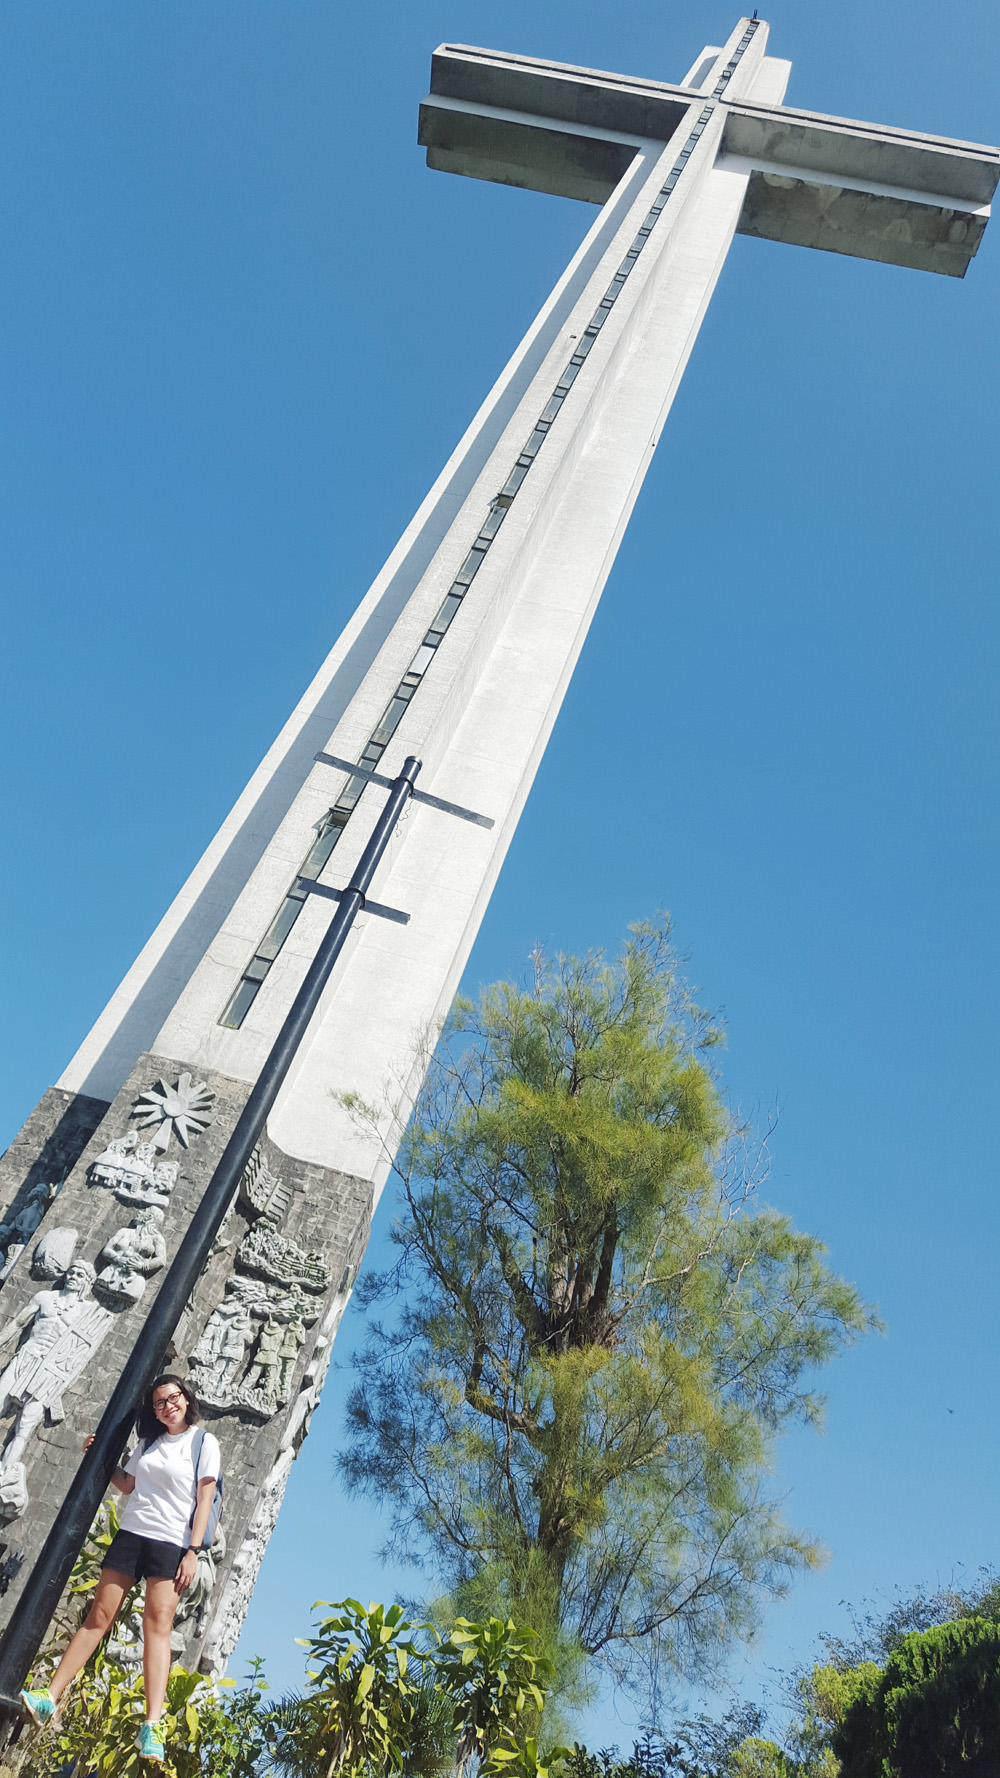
(168, 1401)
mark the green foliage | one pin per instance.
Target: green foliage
(101, 1718)
(697, 1748)
(379, 1700)
(760, 1759)
(357, 1667)
(237, 1738)
(878, 1630)
(495, 1676)
(890, 1701)
(933, 1711)
(824, 1697)
(597, 1335)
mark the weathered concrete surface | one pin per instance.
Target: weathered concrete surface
(815, 181)
(614, 102)
(847, 152)
(511, 148)
(887, 226)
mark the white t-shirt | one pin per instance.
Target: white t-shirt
(165, 1495)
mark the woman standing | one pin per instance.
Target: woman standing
(162, 1531)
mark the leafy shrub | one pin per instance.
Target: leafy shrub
(935, 1710)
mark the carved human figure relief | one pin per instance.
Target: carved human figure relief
(130, 1257)
(134, 1172)
(269, 1254)
(192, 1612)
(66, 1328)
(220, 1352)
(17, 1232)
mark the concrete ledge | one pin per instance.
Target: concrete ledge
(847, 151)
(616, 102)
(897, 230)
(513, 149)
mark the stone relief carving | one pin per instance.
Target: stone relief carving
(134, 1173)
(51, 1258)
(66, 1328)
(267, 1254)
(192, 1612)
(183, 1110)
(268, 1381)
(222, 1348)
(236, 1594)
(135, 1170)
(18, 1230)
(239, 1586)
(269, 1304)
(315, 1372)
(130, 1257)
(261, 1192)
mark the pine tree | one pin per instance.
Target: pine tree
(595, 1333)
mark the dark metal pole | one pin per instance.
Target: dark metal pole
(31, 1615)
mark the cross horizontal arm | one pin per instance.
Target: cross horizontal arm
(544, 126)
(815, 181)
(616, 102)
(894, 195)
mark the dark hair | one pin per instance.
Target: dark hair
(147, 1425)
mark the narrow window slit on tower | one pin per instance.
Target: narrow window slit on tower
(256, 970)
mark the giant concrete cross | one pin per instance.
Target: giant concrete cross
(459, 654)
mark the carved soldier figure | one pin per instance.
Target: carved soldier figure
(228, 1331)
(67, 1327)
(293, 1339)
(262, 1378)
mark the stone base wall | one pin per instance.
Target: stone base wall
(98, 1199)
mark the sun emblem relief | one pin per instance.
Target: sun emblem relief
(183, 1110)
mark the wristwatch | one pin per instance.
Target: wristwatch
(195, 1548)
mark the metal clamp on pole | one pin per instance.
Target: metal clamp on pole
(419, 796)
(33, 1611)
(311, 887)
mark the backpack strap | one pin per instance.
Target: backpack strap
(197, 1447)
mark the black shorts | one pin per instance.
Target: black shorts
(143, 1558)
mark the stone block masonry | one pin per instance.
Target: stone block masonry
(99, 1196)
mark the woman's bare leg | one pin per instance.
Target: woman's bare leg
(111, 1590)
(162, 1599)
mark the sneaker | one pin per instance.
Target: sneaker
(150, 1741)
(41, 1706)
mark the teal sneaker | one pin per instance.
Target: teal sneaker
(41, 1706)
(150, 1741)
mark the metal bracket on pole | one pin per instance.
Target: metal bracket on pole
(418, 796)
(367, 906)
(33, 1610)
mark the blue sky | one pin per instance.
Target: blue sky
(242, 328)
